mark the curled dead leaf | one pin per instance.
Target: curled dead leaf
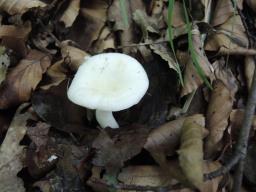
(71, 13)
(191, 152)
(72, 58)
(14, 37)
(228, 38)
(166, 137)
(217, 116)
(74, 55)
(23, 79)
(223, 11)
(144, 176)
(11, 153)
(19, 6)
(88, 25)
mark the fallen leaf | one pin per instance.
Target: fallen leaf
(223, 11)
(165, 53)
(11, 153)
(39, 134)
(236, 120)
(213, 184)
(217, 116)
(15, 37)
(56, 73)
(75, 55)
(192, 80)
(72, 58)
(23, 79)
(166, 138)
(19, 6)
(191, 152)
(66, 177)
(125, 29)
(53, 106)
(224, 90)
(113, 147)
(228, 38)
(41, 159)
(4, 63)
(146, 23)
(177, 19)
(144, 176)
(71, 13)
(89, 23)
(106, 41)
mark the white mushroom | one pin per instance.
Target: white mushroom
(108, 82)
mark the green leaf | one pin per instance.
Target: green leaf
(170, 34)
(192, 49)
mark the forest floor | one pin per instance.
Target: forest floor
(194, 129)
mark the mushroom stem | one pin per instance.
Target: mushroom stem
(106, 119)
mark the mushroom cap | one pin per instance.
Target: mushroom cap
(109, 81)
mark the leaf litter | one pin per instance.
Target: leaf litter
(55, 145)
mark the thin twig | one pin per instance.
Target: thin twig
(241, 147)
(238, 177)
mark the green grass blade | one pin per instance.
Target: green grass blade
(123, 10)
(170, 34)
(192, 49)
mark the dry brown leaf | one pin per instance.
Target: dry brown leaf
(19, 32)
(39, 134)
(19, 6)
(218, 112)
(165, 53)
(56, 74)
(15, 37)
(223, 11)
(87, 27)
(105, 41)
(75, 56)
(236, 120)
(71, 13)
(23, 79)
(191, 152)
(125, 32)
(144, 176)
(11, 153)
(192, 80)
(177, 19)
(249, 70)
(113, 148)
(72, 58)
(213, 184)
(166, 137)
(229, 36)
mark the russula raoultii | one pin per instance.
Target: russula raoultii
(108, 82)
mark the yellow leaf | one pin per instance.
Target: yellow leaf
(191, 152)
